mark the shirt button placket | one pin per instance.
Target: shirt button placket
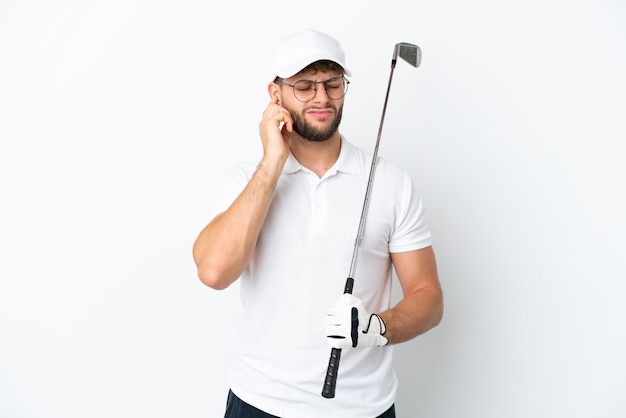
(320, 207)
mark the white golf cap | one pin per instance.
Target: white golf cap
(300, 49)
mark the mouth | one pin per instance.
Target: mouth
(321, 114)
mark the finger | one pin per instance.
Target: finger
(340, 313)
(338, 331)
(287, 121)
(338, 343)
(287, 128)
(347, 299)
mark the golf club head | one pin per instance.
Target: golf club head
(409, 52)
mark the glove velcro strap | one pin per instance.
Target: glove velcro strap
(355, 327)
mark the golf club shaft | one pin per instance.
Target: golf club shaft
(330, 382)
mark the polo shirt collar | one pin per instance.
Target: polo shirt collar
(348, 161)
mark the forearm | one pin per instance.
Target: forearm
(413, 315)
(225, 246)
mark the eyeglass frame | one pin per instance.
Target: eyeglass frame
(278, 80)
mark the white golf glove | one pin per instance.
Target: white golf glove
(348, 325)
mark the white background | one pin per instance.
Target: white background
(117, 116)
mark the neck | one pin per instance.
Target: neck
(316, 156)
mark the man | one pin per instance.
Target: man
(285, 228)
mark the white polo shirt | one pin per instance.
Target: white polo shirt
(298, 271)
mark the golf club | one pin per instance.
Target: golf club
(413, 55)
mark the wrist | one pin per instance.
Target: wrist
(268, 172)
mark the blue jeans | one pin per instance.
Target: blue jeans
(236, 408)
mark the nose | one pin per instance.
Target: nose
(320, 86)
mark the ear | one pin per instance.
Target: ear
(274, 92)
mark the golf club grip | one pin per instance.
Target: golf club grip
(331, 373)
(330, 382)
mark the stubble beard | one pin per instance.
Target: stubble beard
(313, 134)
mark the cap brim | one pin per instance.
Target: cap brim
(295, 67)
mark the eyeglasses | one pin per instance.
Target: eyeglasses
(305, 90)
